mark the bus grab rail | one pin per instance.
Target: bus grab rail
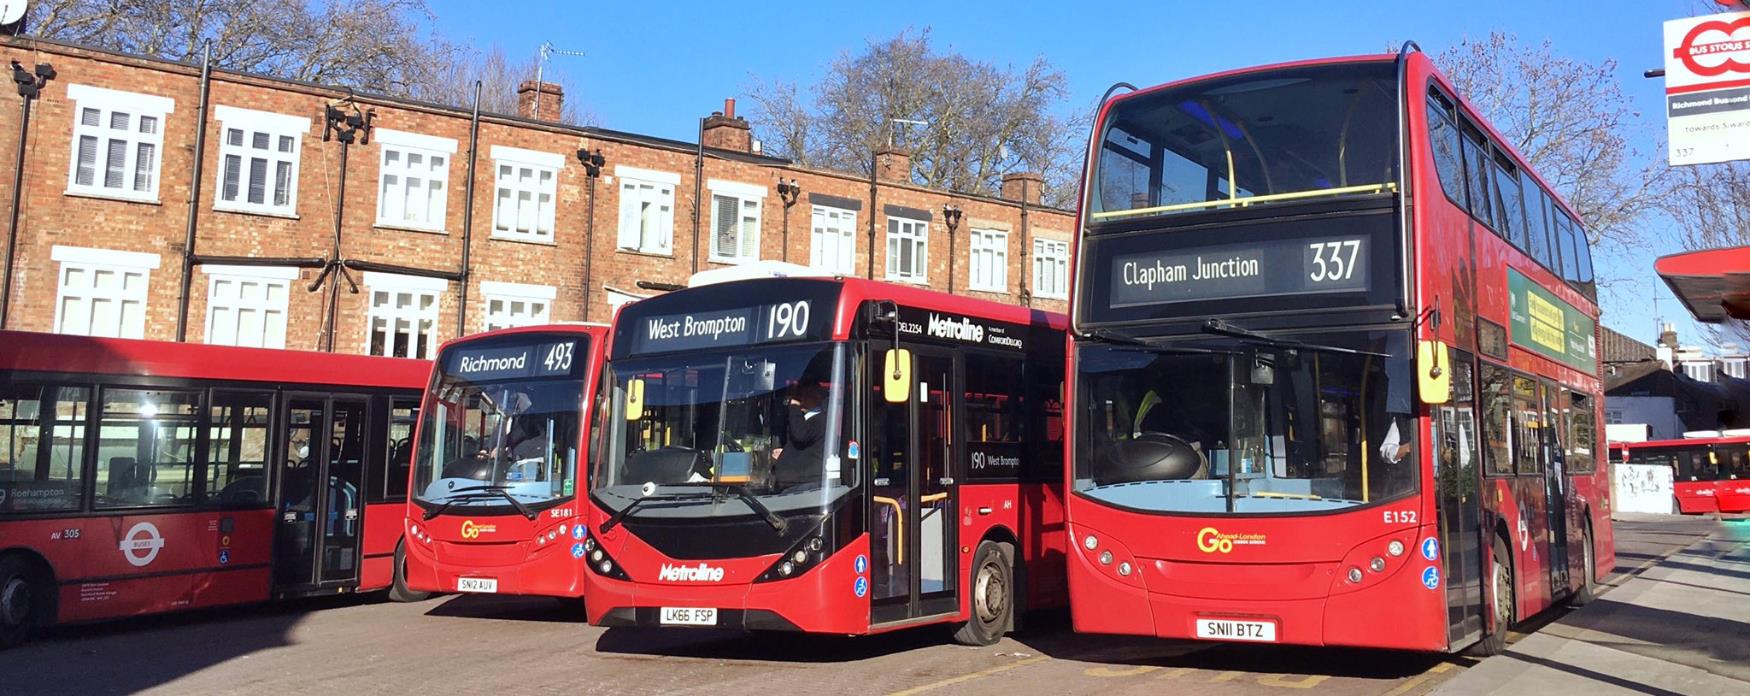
(1249, 200)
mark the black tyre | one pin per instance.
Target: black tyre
(398, 590)
(991, 588)
(1589, 584)
(1500, 601)
(25, 600)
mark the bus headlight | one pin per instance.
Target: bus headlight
(1395, 548)
(1105, 558)
(1377, 564)
(809, 551)
(1354, 574)
(786, 569)
(598, 560)
(1090, 543)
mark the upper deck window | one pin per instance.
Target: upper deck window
(1260, 137)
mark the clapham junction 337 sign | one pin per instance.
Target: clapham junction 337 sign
(1707, 88)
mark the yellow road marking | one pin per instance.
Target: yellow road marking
(1417, 680)
(1292, 681)
(969, 677)
(1110, 672)
(1175, 673)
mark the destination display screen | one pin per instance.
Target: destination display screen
(732, 315)
(1280, 267)
(543, 357)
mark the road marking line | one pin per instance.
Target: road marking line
(969, 677)
(1110, 672)
(1292, 681)
(1417, 680)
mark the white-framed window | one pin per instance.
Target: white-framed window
(1051, 268)
(101, 292)
(403, 316)
(834, 240)
(908, 244)
(246, 305)
(516, 304)
(989, 265)
(118, 140)
(258, 161)
(413, 182)
(735, 220)
(527, 193)
(646, 209)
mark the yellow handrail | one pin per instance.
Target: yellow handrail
(1366, 188)
(899, 525)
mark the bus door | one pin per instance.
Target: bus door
(321, 507)
(1457, 476)
(914, 567)
(1555, 476)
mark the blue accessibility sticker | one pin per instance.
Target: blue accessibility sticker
(862, 587)
(1430, 548)
(577, 532)
(224, 556)
(862, 564)
(577, 550)
(1431, 578)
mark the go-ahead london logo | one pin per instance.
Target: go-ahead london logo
(142, 544)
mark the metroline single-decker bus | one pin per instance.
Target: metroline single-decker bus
(1334, 376)
(827, 455)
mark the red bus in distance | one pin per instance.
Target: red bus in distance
(139, 477)
(505, 429)
(1307, 408)
(827, 455)
(1708, 474)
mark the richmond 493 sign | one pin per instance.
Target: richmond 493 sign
(1707, 88)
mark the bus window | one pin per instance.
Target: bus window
(1509, 209)
(398, 457)
(20, 431)
(1497, 404)
(1691, 463)
(237, 448)
(1733, 462)
(38, 476)
(1445, 141)
(1552, 258)
(1528, 425)
(994, 417)
(1044, 458)
(1532, 240)
(1476, 159)
(1570, 252)
(1582, 434)
(1584, 251)
(145, 448)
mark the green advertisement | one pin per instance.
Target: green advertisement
(1544, 323)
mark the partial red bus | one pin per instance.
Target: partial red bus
(828, 455)
(1708, 474)
(141, 476)
(501, 445)
(1308, 408)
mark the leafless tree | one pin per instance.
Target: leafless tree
(499, 78)
(1572, 122)
(981, 121)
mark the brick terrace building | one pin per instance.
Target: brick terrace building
(110, 184)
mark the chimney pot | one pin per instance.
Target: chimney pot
(729, 107)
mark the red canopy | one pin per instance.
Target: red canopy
(1714, 284)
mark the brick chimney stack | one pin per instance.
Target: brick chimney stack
(552, 100)
(726, 131)
(893, 164)
(1023, 187)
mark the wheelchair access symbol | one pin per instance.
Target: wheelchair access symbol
(1431, 578)
(862, 587)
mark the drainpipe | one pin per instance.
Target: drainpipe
(194, 194)
(698, 190)
(592, 169)
(467, 209)
(873, 165)
(334, 256)
(346, 129)
(1026, 294)
(29, 87)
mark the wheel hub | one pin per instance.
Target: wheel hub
(15, 601)
(990, 594)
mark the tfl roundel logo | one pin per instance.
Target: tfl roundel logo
(142, 544)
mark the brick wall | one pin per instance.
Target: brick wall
(52, 215)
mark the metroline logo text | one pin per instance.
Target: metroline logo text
(686, 573)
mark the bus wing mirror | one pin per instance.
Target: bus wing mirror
(1434, 371)
(634, 399)
(896, 376)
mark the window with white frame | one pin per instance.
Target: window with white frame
(528, 184)
(258, 161)
(101, 292)
(907, 249)
(402, 318)
(834, 240)
(989, 265)
(735, 221)
(414, 177)
(516, 304)
(1051, 268)
(646, 209)
(246, 305)
(118, 138)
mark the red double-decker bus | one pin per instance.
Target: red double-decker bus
(1334, 367)
(1708, 474)
(828, 455)
(504, 432)
(143, 476)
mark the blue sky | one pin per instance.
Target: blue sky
(655, 68)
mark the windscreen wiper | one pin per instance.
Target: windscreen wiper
(1222, 328)
(753, 502)
(497, 490)
(1111, 336)
(621, 515)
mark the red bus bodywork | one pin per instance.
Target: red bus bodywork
(124, 562)
(1714, 480)
(518, 555)
(824, 599)
(1293, 571)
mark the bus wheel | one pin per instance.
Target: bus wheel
(24, 600)
(1589, 584)
(399, 591)
(993, 605)
(1501, 602)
